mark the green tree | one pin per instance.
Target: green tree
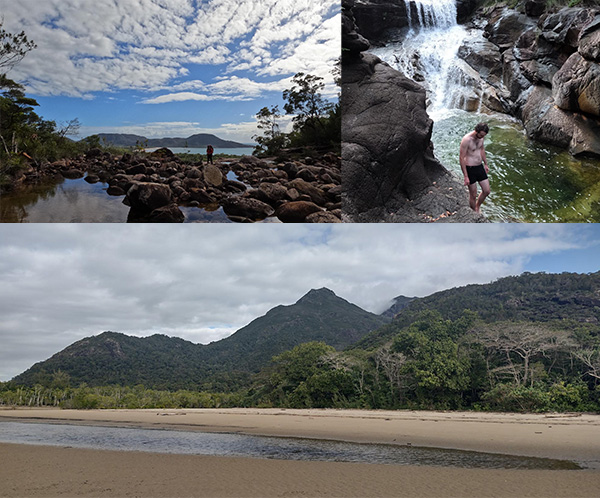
(515, 346)
(272, 139)
(13, 48)
(310, 109)
(308, 376)
(17, 119)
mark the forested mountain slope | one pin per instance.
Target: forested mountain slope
(171, 363)
(535, 297)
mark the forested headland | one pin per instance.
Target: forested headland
(526, 343)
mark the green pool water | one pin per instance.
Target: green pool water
(530, 182)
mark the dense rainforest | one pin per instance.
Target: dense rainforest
(526, 343)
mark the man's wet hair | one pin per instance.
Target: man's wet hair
(482, 127)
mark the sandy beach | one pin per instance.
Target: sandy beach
(58, 471)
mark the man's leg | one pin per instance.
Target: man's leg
(485, 191)
(473, 196)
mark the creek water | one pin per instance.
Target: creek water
(530, 182)
(201, 443)
(62, 201)
(57, 200)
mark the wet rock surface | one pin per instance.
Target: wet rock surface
(549, 64)
(390, 173)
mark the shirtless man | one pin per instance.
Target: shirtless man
(474, 165)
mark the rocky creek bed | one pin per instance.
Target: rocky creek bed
(156, 185)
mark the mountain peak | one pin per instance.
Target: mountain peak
(317, 295)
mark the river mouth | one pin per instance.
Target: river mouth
(282, 448)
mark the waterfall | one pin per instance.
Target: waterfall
(428, 54)
(432, 13)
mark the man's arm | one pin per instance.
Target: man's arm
(484, 158)
(462, 159)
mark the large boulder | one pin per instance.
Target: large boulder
(316, 194)
(296, 212)
(213, 175)
(589, 40)
(547, 123)
(146, 197)
(240, 208)
(505, 26)
(576, 87)
(375, 17)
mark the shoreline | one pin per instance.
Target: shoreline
(566, 436)
(30, 470)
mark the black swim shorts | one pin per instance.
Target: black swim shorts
(476, 173)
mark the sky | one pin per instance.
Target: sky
(170, 68)
(61, 283)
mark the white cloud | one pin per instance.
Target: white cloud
(87, 46)
(60, 283)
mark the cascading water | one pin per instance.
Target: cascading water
(530, 181)
(428, 52)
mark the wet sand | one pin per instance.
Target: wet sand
(56, 471)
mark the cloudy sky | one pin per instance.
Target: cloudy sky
(61, 283)
(170, 67)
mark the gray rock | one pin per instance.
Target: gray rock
(589, 40)
(386, 137)
(246, 207)
(146, 197)
(213, 175)
(296, 212)
(576, 87)
(323, 217)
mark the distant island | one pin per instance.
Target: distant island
(199, 140)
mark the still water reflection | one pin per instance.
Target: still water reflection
(77, 201)
(199, 443)
(62, 201)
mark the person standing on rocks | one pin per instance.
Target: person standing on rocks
(209, 154)
(473, 163)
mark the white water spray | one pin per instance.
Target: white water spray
(428, 52)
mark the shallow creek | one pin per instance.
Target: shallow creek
(77, 201)
(217, 444)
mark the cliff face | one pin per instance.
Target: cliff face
(375, 18)
(552, 68)
(389, 171)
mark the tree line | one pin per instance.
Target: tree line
(434, 363)
(316, 121)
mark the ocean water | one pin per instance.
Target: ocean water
(237, 445)
(237, 151)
